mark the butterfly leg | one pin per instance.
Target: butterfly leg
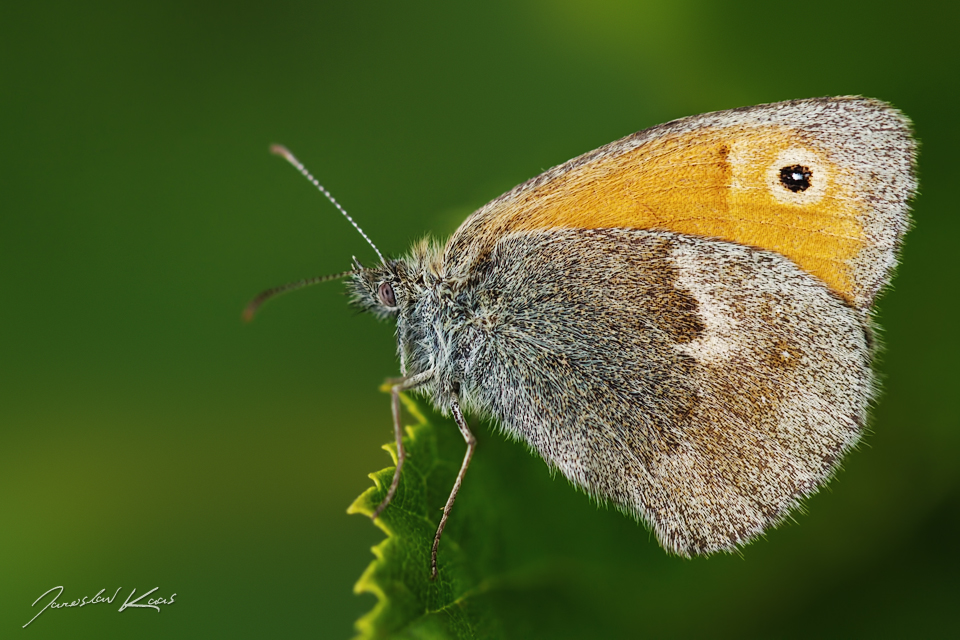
(398, 385)
(471, 445)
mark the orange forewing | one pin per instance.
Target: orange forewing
(714, 182)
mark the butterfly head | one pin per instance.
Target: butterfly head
(412, 292)
(381, 290)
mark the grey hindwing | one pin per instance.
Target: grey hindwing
(703, 386)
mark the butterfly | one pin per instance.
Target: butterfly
(679, 321)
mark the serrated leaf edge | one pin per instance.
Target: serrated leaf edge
(362, 505)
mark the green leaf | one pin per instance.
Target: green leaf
(525, 555)
(410, 603)
(486, 564)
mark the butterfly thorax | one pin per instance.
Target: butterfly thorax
(436, 317)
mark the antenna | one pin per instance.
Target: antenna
(251, 309)
(283, 152)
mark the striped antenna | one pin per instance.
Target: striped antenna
(284, 153)
(251, 309)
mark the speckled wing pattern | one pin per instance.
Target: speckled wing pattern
(679, 321)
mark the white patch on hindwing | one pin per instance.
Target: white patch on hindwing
(718, 341)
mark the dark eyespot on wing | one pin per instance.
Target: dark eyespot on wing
(796, 177)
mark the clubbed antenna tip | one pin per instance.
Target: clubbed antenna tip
(283, 152)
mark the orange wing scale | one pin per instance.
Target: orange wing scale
(711, 182)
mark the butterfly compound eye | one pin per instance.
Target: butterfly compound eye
(387, 297)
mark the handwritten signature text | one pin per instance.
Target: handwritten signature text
(129, 603)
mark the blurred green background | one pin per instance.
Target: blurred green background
(149, 438)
